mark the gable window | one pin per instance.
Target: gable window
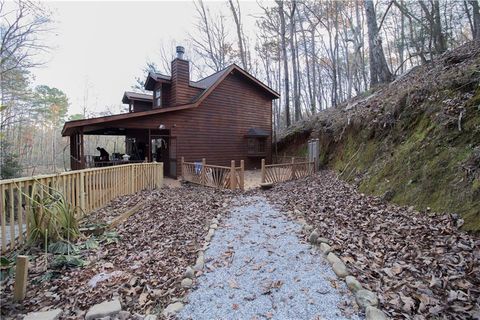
(158, 97)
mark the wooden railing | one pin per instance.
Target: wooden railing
(214, 176)
(275, 173)
(287, 159)
(86, 190)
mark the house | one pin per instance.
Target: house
(225, 116)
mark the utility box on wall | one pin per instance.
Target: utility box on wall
(313, 151)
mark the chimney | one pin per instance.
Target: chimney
(180, 79)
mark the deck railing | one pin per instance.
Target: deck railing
(275, 173)
(214, 176)
(86, 190)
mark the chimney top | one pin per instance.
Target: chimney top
(180, 52)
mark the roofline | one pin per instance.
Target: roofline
(125, 97)
(122, 116)
(196, 103)
(260, 83)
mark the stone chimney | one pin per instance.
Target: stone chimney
(180, 79)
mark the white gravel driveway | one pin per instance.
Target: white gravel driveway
(257, 267)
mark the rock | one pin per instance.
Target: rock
(172, 308)
(353, 284)
(307, 227)
(332, 258)
(190, 273)
(373, 313)
(325, 248)
(323, 240)
(214, 226)
(104, 309)
(340, 269)
(388, 195)
(150, 317)
(124, 315)
(313, 237)
(215, 221)
(200, 263)
(44, 315)
(187, 283)
(366, 298)
(209, 235)
(266, 185)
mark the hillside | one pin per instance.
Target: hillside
(415, 141)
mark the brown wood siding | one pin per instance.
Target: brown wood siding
(139, 106)
(216, 129)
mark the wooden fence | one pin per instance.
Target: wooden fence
(87, 190)
(274, 173)
(286, 159)
(214, 176)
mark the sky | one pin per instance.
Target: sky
(99, 48)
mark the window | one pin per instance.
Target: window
(257, 146)
(158, 97)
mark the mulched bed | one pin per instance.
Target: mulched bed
(146, 264)
(420, 264)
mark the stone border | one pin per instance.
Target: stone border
(365, 299)
(190, 271)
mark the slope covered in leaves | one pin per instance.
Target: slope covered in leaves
(421, 266)
(143, 265)
(415, 141)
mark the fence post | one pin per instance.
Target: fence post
(242, 174)
(293, 168)
(161, 175)
(132, 177)
(233, 176)
(82, 192)
(21, 273)
(181, 168)
(263, 171)
(203, 173)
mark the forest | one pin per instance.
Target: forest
(317, 54)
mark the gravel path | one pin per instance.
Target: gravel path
(258, 268)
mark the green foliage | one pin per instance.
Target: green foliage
(110, 237)
(11, 167)
(6, 267)
(62, 247)
(52, 217)
(67, 261)
(51, 104)
(46, 277)
(91, 244)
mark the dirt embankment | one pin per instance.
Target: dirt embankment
(415, 141)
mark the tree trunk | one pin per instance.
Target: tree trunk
(379, 71)
(238, 23)
(285, 60)
(476, 19)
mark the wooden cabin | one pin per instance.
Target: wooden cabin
(225, 116)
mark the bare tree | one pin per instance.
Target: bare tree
(283, 35)
(379, 71)
(242, 47)
(213, 45)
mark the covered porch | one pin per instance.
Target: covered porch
(141, 145)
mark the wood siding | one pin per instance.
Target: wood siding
(139, 106)
(216, 129)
